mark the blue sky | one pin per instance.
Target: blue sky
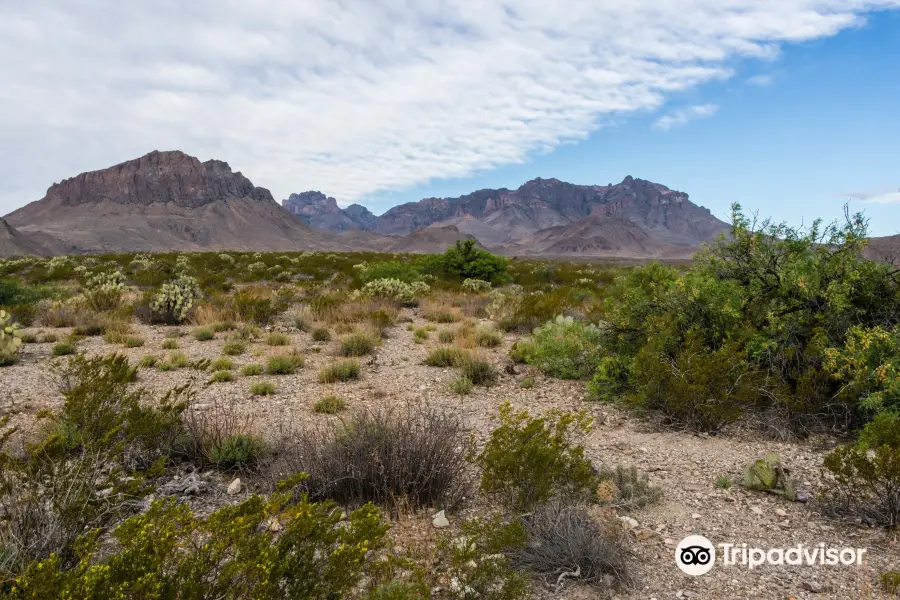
(791, 137)
(781, 105)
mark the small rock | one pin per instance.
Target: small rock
(235, 487)
(756, 510)
(695, 516)
(440, 521)
(690, 594)
(780, 512)
(629, 522)
(816, 587)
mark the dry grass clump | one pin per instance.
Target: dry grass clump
(344, 370)
(221, 436)
(439, 309)
(210, 314)
(401, 457)
(359, 343)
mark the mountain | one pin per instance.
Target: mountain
(15, 243)
(166, 201)
(542, 212)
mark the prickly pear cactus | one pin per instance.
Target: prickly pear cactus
(10, 339)
(174, 299)
(768, 475)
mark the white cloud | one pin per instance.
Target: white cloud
(357, 96)
(879, 196)
(682, 116)
(761, 80)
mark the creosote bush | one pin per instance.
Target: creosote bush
(411, 456)
(529, 460)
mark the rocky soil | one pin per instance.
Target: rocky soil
(685, 466)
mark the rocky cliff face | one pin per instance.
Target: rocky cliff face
(321, 211)
(159, 178)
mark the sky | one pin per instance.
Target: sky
(789, 107)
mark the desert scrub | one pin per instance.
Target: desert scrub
(891, 581)
(63, 349)
(234, 348)
(222, 364)
(420, 335)
(407, 294)
(204, 334)
(147, 362)
(222, 376)
(284, 364)
(316, 551)
(320, 334)
(529, 460)
(446, 336)
(262, 388)
(527, 383)
(864, 478)
(476, 370)
(476, 285)
(173, 301)
(133, 341)
(170, 344)
(487, 337)
(238, 452)
(29, 338)
(358, 344)
(344, 370)
(300, 317)
(565, 348)
(329, 405)
(278, 339)
(252, 370)
(461, 386)
(446, 356)
(724, 482)
(103, 291)
(10, 339)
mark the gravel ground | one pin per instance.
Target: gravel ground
(685, 466)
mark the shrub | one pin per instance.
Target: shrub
(241, 451)
(420, 335)
(49, 338)
(283, 364)
(278, 339)
(723, 482)
(170, 344)
(344, 370)
(446, 336)
(63, 349)
(313, 553)
(476, 285)
(321, 335)
(148, 362)
(222, 376)
(10, 339)
(440, 316)
(329, 405)
(134, 341)
(865, 477)
(478, 371)
(413, 456)
(465, 261)
(262, 388)
(256, 309)
(390, 270)
(527, 383)
(204, 334)
(222, 364)
(59, 313)
(488, 337)
(461, 386)
(300, 317)
(565, 540)
(446, 356)
(625, 487)
(358, 344)
(28, 338)
(564, 348)
(393, 289)
(103, 291)
(234, 348)
(179, 359)
(252, 369)
(528, 460)
(173, 301)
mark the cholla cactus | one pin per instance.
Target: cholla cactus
(10, 339)
(361, 267)
(404, 293)
(174, 299)
(476, 285)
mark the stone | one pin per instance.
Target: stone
(780, 512)
(629, 522)
(440, 521)
(235, 487)
(816, 587)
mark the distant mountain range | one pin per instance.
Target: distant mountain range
(170, 201)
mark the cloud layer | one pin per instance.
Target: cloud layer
(880, 196)
(682, 116)
(357, 96)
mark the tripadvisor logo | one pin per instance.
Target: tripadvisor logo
(695, 555)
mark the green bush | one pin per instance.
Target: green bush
(321, 335)
(488, 337)
(283, 364)
(222, 364)
(478, 371)
(344, 370)
(204, 334)
(461, 386)
(390, 270)
(238, 451)
(529, 460)
(358, 344)
(476, 285)
(262, 388)
(259, 310)
(315, 552)
(865, 477)
(172, 302)
(465, 261)
(134, 341)
(170, 344)
(252, 369)
(10, 339)
(63, 349)
(234, 348)
(278, 339)
(329, 405)
(891, 581)
(446, 356)
(565, 348)
(222, 376)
